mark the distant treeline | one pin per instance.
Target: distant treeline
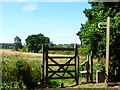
(81, 49)
(6, 45)
(11, 45)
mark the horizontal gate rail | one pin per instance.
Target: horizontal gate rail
(62, 78)
(61, 65)
(61, 57)
(61, 49)
(59, 71)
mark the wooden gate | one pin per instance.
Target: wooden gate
(50, 63)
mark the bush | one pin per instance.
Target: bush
(83, 51)
(98, 66)
(20, 73)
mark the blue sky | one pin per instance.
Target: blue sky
(60, 21)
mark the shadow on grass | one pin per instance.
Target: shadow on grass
(83, 83)
(112, 84)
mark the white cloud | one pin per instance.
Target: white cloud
(30, 7)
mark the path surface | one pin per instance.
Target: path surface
(96, 85)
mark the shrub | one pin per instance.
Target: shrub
(83, 51)
(98, 66)
(20, 73)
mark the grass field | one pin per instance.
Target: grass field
(32, 64)
(32, 60)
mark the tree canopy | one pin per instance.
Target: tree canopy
(94, 38)
(17, 43)
(34, 42)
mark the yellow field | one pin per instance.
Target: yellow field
(29, 56)
(9, 54)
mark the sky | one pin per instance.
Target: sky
(60, 21)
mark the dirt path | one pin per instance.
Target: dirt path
(115, 85)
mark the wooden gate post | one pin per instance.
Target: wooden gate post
(91, 67)
(45, 62)
(76, 64)
(87, 68)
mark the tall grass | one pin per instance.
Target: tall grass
(20, 71)
(23, 70)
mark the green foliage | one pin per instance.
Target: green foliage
(95, 38)
(6, 45)
(34, 42)
(53, 83)
(83, 51)
(20, 73)
(82, 87)
(98, 66)
(17, 43)
(61, 52)
(25, 49)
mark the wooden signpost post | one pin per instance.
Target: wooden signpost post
(107, 45)
(107, 26)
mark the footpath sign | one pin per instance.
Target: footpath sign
(102, 25)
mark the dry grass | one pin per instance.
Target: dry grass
(27, 54)
(9, 54)
(31, 56)
(13, 55)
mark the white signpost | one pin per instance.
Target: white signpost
(107, 26)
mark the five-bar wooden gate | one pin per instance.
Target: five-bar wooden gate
(62, 69)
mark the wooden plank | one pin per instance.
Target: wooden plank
(61, 49)
(82, 64)
(91, 68)
(82, 72)
(76, 50)
(62, 78)
(45, 59)
(87, 68)
(61, 65)
(59, 71)
(53, 73)
(61, 56)
(46, 63)
(76, 65)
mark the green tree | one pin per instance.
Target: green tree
(17, 43)
(34, 42)
(94, 38)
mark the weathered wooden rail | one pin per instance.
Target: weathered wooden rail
(50, 73)
(88, 64)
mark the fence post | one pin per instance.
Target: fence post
(91, 67)
(45, 62)
(87, 68)
(78, 68)
(76, 64)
